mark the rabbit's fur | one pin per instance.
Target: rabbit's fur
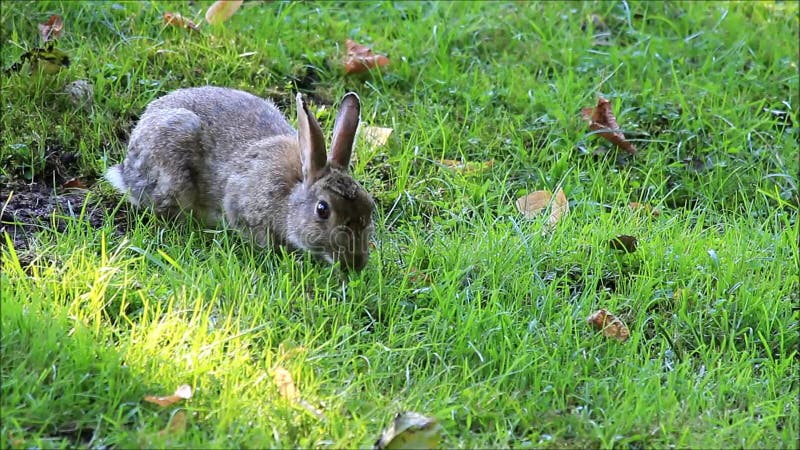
(228, 155)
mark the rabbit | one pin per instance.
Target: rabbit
(231, 157)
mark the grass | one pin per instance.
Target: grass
(466, 312)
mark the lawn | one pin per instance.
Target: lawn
(468, 312)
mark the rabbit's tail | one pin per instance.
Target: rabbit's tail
(114, 176)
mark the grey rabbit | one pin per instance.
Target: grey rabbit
(225, 154)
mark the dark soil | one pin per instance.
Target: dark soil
(28, 208)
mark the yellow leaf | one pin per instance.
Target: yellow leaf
(222, 10)
(286, 387)
(410, 430)
(376, 136)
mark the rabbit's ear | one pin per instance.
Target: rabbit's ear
(344, 131)
(312, 142)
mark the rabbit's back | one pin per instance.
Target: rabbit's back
(189, 144)
(229, 117)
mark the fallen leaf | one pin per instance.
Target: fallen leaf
(655, 212)
(222, 10)
(624, 243)
(74, 183)
(184, 392)
(467, 168)
(375, 136)
(51, 29)
(48, 59)
(287, 389)
(176, 425)
(175, 19)
(611, 326)
(410, 430)
(361, 58)
(602, 118)
(534, 203)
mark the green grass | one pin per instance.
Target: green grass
(98, 314)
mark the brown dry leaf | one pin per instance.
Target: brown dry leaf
(184, 392)
(375, 136)
(611, 326)
(602, 118)
(178, 20)
(222, 10)
(361, 58)
(624, 243)
(534, 203)
(467, 168)
(655, 212)
(74, 183)
(283, 379)
(176, 425)
(51, 30)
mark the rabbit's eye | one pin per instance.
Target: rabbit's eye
(323, 210)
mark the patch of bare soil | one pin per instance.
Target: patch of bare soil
(30, 207)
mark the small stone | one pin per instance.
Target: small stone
(80, 92)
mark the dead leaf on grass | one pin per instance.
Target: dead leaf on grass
(177, 20)
(467, 167)
(410, 430)
(361, 58)
(286, 387)
(602, 118)
(51, 30)
(184, 392)
(624, 243)
(533, 204)
(610, 325)
(288, 390)
(48, 59)
(375, 136)
(176, 426)
(222, 10)
(74, 183)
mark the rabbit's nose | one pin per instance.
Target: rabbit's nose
(355, 262)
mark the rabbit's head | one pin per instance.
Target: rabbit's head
(330, 213)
